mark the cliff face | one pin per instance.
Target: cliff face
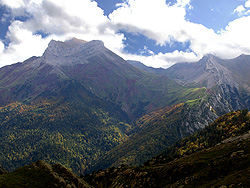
(226, 79)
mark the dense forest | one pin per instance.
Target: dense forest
(56, 131)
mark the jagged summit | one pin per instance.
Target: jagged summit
(210, 56)
(73, 51)
(209, 72)
(71, 47)
(75, 41)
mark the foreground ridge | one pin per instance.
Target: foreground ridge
(223, 163)
(41, 174)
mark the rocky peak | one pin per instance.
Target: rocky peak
(71, 47)
(73, 51)
(74, 41)
(210, 61)
(214, 72)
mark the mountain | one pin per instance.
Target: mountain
(228, 79)
(225, 127)
(78, 101)
(40, 175)
(157, 131)
(141, 66)
(211, 71)
(92, 65)
(224, 80)
(222, 163)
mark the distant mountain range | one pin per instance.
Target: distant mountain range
(84, 106)
(227, 78)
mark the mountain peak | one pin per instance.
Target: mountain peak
(209, 56)
(71, 51)
(71, 45)
(75, 41)
(210, 61)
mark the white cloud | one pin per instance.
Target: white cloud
(184, 3)
(1, 47)
(237, 35)
(23, 44)
(247, 4)
(239, 9)
(60, 17)
(153, 18)
(164, 60)
(12, 3)
(58, 20)
(164, 23)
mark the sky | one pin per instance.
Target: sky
(158, 33)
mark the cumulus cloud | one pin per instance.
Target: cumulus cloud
(242, 10)
(162, 22)
(1, 47)
(154, 19)
(164, 60)
(239, 9)
(23, 44)
(166, 23)
(247, 4)
(237, 33)
(57, 20)
(13, 3)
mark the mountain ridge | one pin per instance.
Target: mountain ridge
(79, 109)
(223, 163)
(226, 79)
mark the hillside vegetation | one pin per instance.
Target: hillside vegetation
(229, 125)
(71, 130)
(42, 175)
(156, 131)
(79, 100)
(225, 164)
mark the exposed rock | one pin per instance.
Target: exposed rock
(64, 53)
(227, 80)
(237, 138)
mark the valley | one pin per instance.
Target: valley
(83, 106)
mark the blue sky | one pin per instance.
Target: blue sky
(158, 33)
